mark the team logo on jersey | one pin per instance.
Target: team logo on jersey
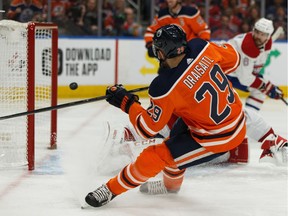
(246, 61)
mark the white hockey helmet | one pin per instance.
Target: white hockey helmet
(264, 25)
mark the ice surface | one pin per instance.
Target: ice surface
(80, 164)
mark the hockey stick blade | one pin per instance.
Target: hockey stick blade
(284, 101)
(65, 105)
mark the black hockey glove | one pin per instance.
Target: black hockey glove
(118, 96)
(272, 91)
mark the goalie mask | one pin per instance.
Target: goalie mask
(170, 40)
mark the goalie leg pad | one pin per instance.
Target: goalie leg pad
(240, 153)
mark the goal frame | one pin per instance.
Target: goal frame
(32, 28)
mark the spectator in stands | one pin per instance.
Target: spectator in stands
(161, 4)
(281, 20)
(234, 20)
(59, 9)
(245, 27)
(273, 6)
(277, 11)
(223, 32)
(130, 27)
(74, 11)
(88, 20)
(61, 13)
(186, 17)
(253, 15)
(25, 10)
(113, 23)
(107, 7)
(239, 7)
(214, 15)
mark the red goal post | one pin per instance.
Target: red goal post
(28, 81)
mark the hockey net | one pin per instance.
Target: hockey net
(28, 81)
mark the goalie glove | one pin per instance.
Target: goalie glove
(119, 97)
(271, 90)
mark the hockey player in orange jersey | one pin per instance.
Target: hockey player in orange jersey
(194, 87)
(188, 18)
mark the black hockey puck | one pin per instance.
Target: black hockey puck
(73, 85)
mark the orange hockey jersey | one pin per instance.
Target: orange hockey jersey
(198, 91)
(189, 19)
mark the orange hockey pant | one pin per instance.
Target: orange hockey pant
(148, 164)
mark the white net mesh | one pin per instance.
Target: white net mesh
(13, 90)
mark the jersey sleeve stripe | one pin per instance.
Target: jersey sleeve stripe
(142, 129)
(149, 30)
(148, 35)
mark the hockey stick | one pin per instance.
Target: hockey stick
(284, 101)
(70, 104)
(277, 33)
(274, 37)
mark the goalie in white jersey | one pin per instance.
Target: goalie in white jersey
(254, 48)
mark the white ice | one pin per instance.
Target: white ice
(64, 176)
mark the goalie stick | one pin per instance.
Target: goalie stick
(61, 106)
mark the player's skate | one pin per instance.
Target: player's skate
(154, 188)
(275, 150)
(101, 196)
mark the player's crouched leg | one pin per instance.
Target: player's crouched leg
(148, 164)
(171, 183)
